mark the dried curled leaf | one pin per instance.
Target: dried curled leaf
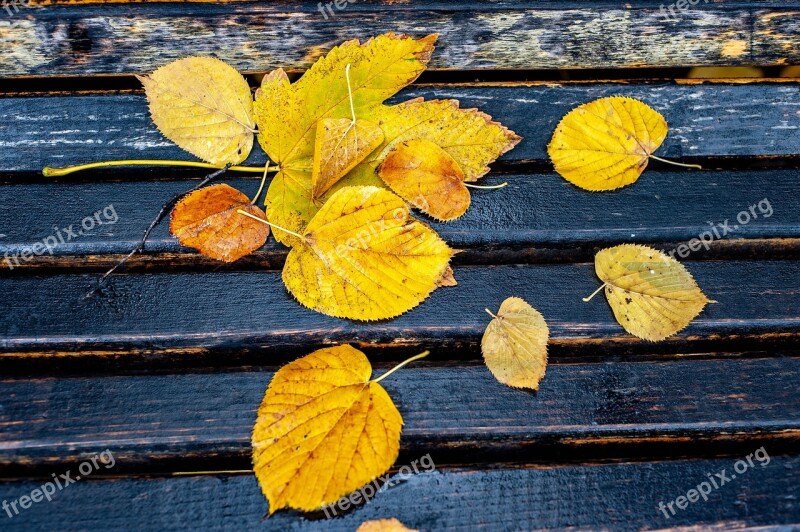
(514, 344)
(207, 220)
(426, 176)
(607, 143)
(364, 257)
(448, 278)
(384, 525)
(340, 145)
(204, 106)
(323, 430)
(652, 295)
(287, 113)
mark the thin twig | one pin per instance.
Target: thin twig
(161, 214)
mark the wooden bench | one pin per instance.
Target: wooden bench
(167, 366)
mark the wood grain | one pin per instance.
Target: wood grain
(236, 317)
(752, 122)
(621, 496)
(537, 218)
(587, 411)
(136, 38)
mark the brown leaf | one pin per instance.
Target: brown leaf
(207, 221)
(447, 278)
(425, 175)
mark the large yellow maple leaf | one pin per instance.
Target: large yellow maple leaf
(287, 113)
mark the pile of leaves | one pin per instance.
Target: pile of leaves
(347, 168)
(347, 172)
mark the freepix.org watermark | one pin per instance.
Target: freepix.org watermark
(12, 6)
(59, 482)
(714, 482)
(424, 464)
(721, 230)
(62, 235)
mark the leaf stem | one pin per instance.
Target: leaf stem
(587, 299)
(400, 365)
(490, 313)
(350, 92)
(48, 171)
(262, 220)
(676, 164)
(160, 216)
(487, 187)
(261, 186)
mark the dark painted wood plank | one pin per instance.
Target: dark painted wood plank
(718, 120)
(622, 496)
(250, 314)
(120, 38)
(537, 217)
(590, 411)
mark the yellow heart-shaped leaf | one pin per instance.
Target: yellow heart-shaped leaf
(364, 257)
(204, 106)
(324, 429)
(606, 144)
(514, 344)
(652, 295)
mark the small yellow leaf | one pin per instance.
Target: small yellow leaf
(606, 144)
(207, 220)
(426, 176)
(652, 295)
(514, 345)
(204, 106)
(384, 525)
(323, 430)
(364, 257)
(340, 145)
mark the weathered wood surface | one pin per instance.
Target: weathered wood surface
(234, 317)
(194, 421)
(622, 496)
(536, 218)
(135, 38)
(166, 367)
(747, 121)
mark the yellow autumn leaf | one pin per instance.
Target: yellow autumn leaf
(514, 344)
(384, 525)
(426, 176)
(607, 143)
(324, 429)
(204, 106)
(364, 257)
(340, 144)
(652, 295)
(288, 113)
(469, 136)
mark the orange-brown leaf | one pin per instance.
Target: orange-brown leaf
(207, 221)
(425, 175)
